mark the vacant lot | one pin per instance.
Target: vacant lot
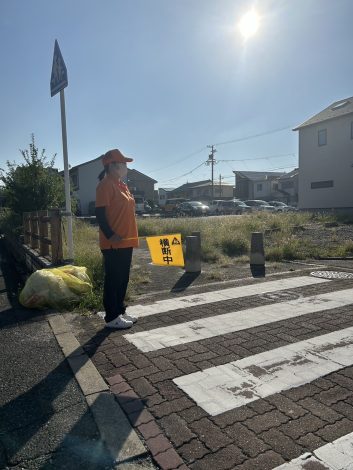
(225, 241)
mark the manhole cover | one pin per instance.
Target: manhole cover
(332, 275)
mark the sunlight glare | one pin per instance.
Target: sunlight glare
(249, 24)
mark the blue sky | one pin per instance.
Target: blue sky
(162, 79)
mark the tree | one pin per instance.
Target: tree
(33, 185)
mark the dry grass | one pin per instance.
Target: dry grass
(225, 240)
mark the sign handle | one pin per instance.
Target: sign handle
(66, 175)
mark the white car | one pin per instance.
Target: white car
(259, 205)
(282, 207)
(141, 206)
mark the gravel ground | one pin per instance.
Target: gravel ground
(327, 233)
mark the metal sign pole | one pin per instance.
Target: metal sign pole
(58, 82)
(66, 176)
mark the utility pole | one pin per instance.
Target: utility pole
(220, 185)
(211, 161)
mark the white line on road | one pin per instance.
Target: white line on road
(209, 327)
(336, 455)
(223, 388)
(257, 288)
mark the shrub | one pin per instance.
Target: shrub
(234, 246)
(10, 223)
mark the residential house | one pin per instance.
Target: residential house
(287, 190)
(202, 191)
(84, 178)
(256, 184)
(326, 158)
(163, 195)
(141, 184)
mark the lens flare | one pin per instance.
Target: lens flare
(249, 24)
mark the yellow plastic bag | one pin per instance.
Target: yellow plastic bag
(56, 287)
(75, 277)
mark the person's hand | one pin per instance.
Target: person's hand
(115, 238)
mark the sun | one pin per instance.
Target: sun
(249, 24)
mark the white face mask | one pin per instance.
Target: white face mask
(118, 170)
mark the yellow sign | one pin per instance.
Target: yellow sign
(166, 250)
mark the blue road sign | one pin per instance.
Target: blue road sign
(58, 79)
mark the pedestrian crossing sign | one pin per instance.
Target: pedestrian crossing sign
(58, 80)
(166, 250)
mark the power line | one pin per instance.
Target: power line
(260, 158)
(238, 160)
(185, 174)
(180, 160)
(254, 136)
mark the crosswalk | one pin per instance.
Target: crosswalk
(336, 455)
(187, 332)
(162, 306)
(224, 388)
(231, 385)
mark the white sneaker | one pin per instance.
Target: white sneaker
(119, 323)
(129, 317)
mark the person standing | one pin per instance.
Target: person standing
(115, 213)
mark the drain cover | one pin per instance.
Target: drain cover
(332, 275)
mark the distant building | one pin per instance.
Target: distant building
(84, 178)
(257, 184)
(202, 190)
(140, 184)
(288, 188)
(163, 195)
(326, 158)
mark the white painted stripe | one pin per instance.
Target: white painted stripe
(236, 321)
(223, 388)
(224, 294)
(336, 455)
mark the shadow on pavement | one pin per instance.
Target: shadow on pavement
(47, 425)
(185, 281)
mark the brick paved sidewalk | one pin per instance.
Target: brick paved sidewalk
(259, 435)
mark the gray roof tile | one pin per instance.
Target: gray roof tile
(336, 109)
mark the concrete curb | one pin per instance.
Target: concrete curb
(115, 429)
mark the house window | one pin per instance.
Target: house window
(322, 137)
(322, 184)
(275, 186)
(259, 187)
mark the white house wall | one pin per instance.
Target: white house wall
(265, 192)
(333, 161)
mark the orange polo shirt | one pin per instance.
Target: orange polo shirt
(119, 206)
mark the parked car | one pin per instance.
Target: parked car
(148, 208)
(140, 205)
(259, 205)
(215, 206)
(233, 207)
(193, 208)
(170, 206)
(282, 207)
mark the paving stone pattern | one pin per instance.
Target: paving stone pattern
(260, 435)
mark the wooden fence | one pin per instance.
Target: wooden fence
(42, 230)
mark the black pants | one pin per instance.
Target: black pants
(117, 263)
